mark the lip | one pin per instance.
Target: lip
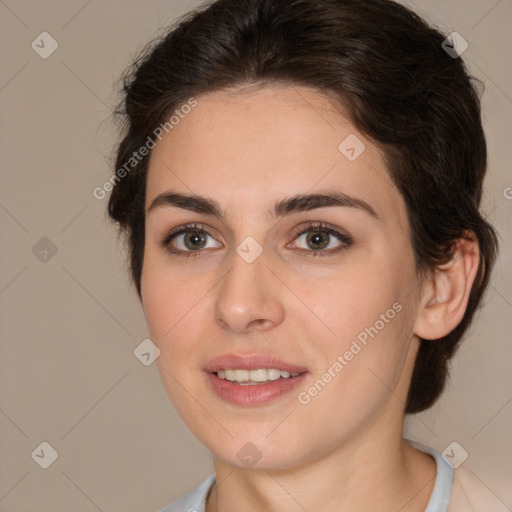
(250, 362)
(255, 394)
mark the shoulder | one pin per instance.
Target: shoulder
(194, 501)
(470, 494)
(459, 490)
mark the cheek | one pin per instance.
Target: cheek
(167, 296)
(355, 297)
(358, 373)
(176, 308)
(366, 319)
(171, 306)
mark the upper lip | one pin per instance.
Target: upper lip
(250, 362)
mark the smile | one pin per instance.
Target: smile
(254, 377)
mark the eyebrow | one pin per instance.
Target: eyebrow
(283, 207)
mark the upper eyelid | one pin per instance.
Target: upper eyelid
(298, 231)
(342, 237)
(320, 225)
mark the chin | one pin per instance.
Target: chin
(249, 457)
(257, 452)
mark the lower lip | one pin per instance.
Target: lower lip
(254, 394)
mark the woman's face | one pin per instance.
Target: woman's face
(259, 284)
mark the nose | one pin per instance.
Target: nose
(249, 297)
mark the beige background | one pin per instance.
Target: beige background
(68, 375)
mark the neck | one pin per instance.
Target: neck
(382, 473)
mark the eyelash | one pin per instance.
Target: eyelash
(311, 226)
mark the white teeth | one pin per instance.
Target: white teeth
(237, 375)
(258, 375)
(254, 376)
(273, 374)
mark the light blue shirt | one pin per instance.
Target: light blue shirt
(195, 500)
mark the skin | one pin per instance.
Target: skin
(344, 449)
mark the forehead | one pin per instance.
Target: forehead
(247, 149)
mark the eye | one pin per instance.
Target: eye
(187, 240)
(322, 240)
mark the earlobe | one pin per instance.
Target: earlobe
(446, 291)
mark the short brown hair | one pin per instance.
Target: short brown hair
(388, 71)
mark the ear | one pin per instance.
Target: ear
(445, 293)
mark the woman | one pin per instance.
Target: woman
(300, 182)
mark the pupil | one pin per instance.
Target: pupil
(316, 238)
(195, 239)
